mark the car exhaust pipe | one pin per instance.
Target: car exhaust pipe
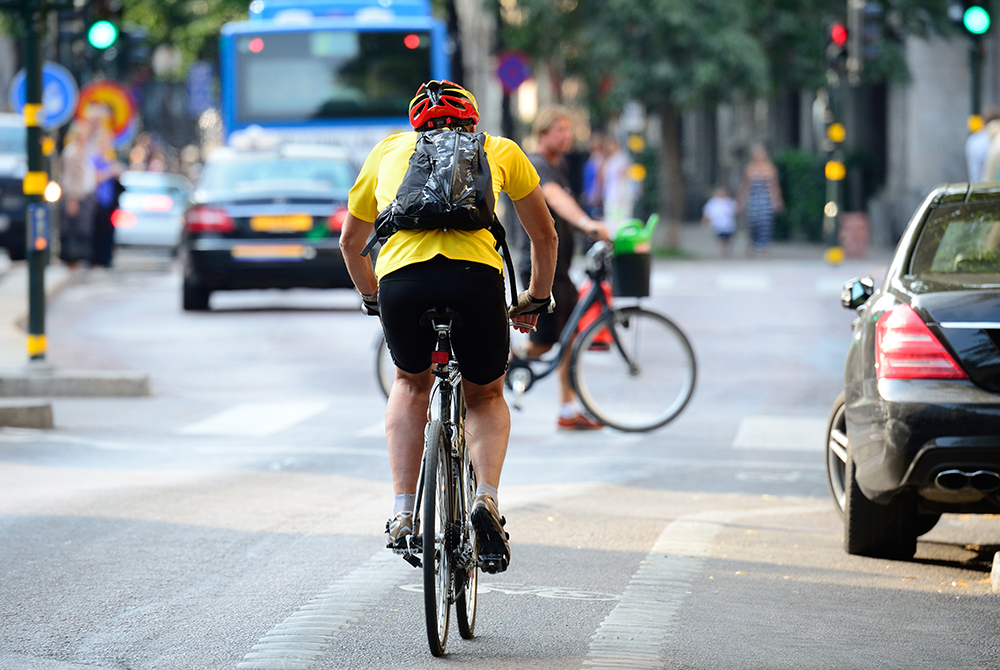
(951, 480)
(985, 481)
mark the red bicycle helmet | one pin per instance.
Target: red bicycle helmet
(442, 103)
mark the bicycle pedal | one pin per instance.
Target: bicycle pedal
(412, 560)
(492, 564)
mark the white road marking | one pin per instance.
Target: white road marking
(781, 433)
(300, 640)
(256, 419)
(553, 592)
(375, 430)
(749, 282)
(634, 633)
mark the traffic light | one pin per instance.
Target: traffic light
(103, 18)
(973, 17)
(836, 45)
(976, 20)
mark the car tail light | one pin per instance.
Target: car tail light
(336, 221)
(905, 348)
(157, 203)
(202, 219)
(122, 218)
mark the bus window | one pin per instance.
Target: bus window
(298, 76)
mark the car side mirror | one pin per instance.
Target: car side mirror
(856, 292)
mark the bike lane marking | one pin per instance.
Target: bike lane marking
(300, 640)
(635, 632)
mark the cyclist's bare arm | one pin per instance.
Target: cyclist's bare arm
(563, 204)
(353, 238)
(541, 229)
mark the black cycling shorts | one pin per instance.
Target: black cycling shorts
(474, 290)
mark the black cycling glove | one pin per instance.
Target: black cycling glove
(369, 304)
(529, 305)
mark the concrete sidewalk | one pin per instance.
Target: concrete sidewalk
(22, 380)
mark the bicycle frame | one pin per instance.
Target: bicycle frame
(539, 369)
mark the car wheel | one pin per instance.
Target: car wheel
(195, 296)
(836, 453)
(17, 253)
(879, 531)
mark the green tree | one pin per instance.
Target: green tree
(191, 26)
(669, 55)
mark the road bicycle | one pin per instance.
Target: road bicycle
(632, 368)
(443, 539)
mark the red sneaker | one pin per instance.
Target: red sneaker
(579, 422)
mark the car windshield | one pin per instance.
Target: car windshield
(250, 175)
(12, 140)
(960, 245)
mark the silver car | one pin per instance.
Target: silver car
(151, 210)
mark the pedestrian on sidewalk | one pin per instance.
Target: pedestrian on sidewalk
(554, 131)
(77, 202)
(720, 213)
(977, 146)
(760, 199)
(107, 170)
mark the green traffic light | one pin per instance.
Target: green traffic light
(976, 20)
(102, 34)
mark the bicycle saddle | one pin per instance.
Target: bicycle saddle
(439, 316)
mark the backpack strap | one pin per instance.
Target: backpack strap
(500, 235)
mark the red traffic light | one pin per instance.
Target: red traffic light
(838, 34)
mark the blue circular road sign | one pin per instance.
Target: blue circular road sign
(59, 94)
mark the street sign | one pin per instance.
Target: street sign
(59, 94)
(118, 101)
(513, 69)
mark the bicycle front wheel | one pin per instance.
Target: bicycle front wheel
(436, 518)
(633, 369)
(385, 369)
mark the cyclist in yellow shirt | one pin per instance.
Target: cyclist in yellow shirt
(418, 270)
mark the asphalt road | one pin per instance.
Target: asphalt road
(234, 518)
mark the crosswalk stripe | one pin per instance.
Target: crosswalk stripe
(781, 433)
(256, 419)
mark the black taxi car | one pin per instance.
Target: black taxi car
(266, 217)
(916, 431)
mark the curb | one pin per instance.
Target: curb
(72, 383)
(25, 414)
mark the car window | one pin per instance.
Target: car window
(12, 140)
(960, 245)
(247, 175)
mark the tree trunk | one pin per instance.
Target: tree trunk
(671, 182)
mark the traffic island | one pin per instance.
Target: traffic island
(25, 414)
(51, 382)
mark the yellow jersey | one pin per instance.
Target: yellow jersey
(383, 172)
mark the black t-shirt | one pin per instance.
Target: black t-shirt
(547, 172)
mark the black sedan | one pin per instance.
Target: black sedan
(916, 431)
(266, 218)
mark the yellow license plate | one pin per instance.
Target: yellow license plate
(269, 252)
(288, 223)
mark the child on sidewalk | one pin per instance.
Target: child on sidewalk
(720, 213)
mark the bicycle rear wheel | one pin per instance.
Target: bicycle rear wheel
(467, 574)
(436, 517)
(643, 379)
(385, 369)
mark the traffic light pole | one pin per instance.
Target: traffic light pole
(975, 70)
(36, 179)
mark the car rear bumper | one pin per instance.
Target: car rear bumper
(909, 431)
(223, 264)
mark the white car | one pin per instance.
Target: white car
(151, 209)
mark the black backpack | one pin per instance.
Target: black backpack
(447, 185)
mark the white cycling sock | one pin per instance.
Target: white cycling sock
(486, 489)
(568, 410)
(403, 502)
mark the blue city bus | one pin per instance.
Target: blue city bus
(340, 72)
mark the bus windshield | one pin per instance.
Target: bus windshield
(298, 76)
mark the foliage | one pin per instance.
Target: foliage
(803, 186)
(192, 26)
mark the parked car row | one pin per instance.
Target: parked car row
(916, 432)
